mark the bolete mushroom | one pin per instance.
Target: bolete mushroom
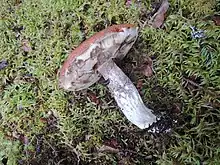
(94, 58)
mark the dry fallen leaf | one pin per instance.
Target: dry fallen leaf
(139, 84)
(128, 2)
(43, 120)
(107, 149)
(26, 46)
(147, 67)
(176, 108)
(159, 17)
(112, 143)
(216, 19)
(147, 71)
(93, 98)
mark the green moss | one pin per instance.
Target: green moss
(180, 58)
(186, 73)
(194, 9)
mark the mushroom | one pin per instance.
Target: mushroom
(94, 58)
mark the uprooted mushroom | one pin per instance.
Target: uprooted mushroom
(95, 58)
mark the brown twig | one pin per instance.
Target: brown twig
(200, 87)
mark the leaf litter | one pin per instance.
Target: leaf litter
(146, 68)
(158, 18)
(26, 46)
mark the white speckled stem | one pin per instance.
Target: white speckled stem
(127, 96)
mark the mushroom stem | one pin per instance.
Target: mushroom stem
(126, 95)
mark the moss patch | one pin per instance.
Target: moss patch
(42, 124)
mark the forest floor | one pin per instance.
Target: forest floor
(174, 64)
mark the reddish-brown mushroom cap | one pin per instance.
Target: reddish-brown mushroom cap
(79, 70)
